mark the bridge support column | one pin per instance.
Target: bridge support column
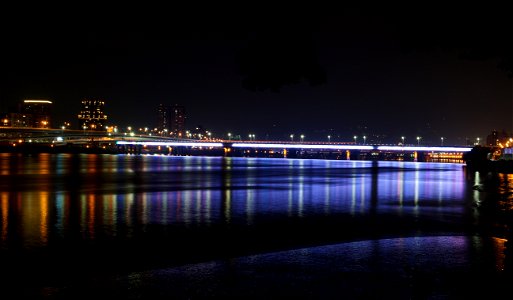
(228, 151)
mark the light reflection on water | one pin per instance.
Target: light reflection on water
(44, 196)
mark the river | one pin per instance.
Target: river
(75, 222)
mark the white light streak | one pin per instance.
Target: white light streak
(37, 101)
(428, 149)
(301, 146)
(188, 144)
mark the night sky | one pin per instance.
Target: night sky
(384, 71)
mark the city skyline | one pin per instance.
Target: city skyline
(373, 83)
(170, 122)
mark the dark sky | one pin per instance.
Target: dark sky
(342, 71)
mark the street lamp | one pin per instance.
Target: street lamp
(292, 137)
(477, 141)
(442, 138)
(329, 138)
(402, 138)
(418, 141)
(229, 136)
(302, 137)
(364, 137)
(355, 137)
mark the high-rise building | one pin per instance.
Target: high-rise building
(92, 116)
(33, 113)
(171, 119)
(164, 118)
(178, 120)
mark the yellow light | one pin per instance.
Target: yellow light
(37, 101)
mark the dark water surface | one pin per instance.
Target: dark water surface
(73, 224)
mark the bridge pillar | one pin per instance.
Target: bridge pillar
(228, 149)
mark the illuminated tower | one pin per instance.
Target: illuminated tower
(36, 113)
(92, 116)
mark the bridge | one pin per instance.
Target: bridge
(151, 144)
(290, 149)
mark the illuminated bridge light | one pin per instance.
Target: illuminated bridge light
(443, 149)
(301, 146)
(189, 144)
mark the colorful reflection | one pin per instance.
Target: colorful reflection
(4, 210)
(92, 196)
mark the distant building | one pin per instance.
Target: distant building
(171, 120)
(178, 121)
(164, 118)
(92, 115)
(32, 113)
(495, 138)
(20, 120)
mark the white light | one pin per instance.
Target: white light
(37, 101)
(302, 146)
(445, 149)
(190, 144)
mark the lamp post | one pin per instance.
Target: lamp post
(355, 137)
(477, 141)
(418, 141)
(364, 138)
(302, 138)
(329, 138)
(229, 136)
(291, 137)
(402, 138)
(442, 138)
